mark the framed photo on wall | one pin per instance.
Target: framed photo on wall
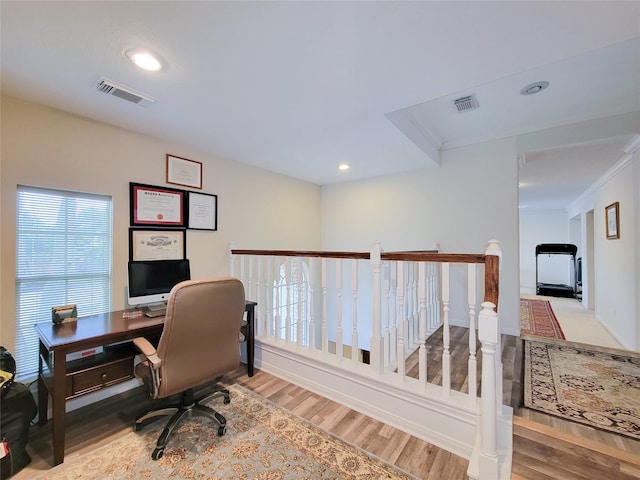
(157, 244)
(202, 211)
(612, 220)
(156, 206)
(185, 172)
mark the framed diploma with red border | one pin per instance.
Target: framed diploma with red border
(156, 206)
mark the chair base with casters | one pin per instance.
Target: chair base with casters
(189, 407)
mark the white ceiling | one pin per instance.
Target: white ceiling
(298, 87)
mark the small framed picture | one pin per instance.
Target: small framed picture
(185, 172)
(202, 211)
(156, 206)
(612, 220)
(157, 244)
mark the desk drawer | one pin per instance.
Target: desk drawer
(99, 376)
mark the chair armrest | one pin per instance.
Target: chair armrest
(148, 351)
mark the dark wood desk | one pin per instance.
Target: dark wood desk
(66, 380)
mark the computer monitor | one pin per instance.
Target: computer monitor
(151, 281)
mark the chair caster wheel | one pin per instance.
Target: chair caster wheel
(157, 454)
(226, 400)
(222, 430)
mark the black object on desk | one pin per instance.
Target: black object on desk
(66, 380)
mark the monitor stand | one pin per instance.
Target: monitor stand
(154, 307)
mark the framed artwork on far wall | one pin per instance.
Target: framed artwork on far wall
(612, 220)
(184, 172)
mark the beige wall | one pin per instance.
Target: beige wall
(461, 205)
(49, 148)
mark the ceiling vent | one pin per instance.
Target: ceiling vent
(466, 104)
(110, 87)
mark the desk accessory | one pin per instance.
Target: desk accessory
(64, 314)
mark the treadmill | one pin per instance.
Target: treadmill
(555, 289)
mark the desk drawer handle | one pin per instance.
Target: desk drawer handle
(104, 377)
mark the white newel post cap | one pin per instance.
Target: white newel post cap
(488, 324)
(376, 250)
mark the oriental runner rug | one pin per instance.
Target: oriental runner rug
(537, 318)
(592, 385)
(263, 442)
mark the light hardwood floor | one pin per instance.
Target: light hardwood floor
(98, 424)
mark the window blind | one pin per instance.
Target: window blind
(63, 257)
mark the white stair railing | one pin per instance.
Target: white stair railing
(383, 307)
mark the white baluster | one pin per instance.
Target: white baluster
(377, 344)
(422, 355)
(231, 260)
(251, 289)
(393, 280)
(401, 322)
(312, 313)
(277, 326)
(325, 337)
(434, 311)
(339, 316)
(471, 300)
(413, 289)
(489, 335)
(387, 314)
(446, 369)
(242, 276)
(288, 318)
(268, 310)
(301, 318)
(259, 291)
(354, 289)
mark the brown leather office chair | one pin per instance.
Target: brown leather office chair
(199, 343)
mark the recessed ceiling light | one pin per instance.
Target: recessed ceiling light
(343, 166)
(534, 88)
(144, 59)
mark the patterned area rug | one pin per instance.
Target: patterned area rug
(537, 318)
(595, 386)
(263, 442)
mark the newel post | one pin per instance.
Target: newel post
(377, 360)
(492, 267)
(489, 334)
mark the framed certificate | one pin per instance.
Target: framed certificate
(185, 172)
(156, 206)
(157, 244)
(202, 211)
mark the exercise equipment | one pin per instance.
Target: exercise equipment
(557, 289)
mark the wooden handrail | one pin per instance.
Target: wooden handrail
(412, 256)
(491, 262)
(434, 257)
(303, 253)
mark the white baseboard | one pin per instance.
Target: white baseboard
(418, 409)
